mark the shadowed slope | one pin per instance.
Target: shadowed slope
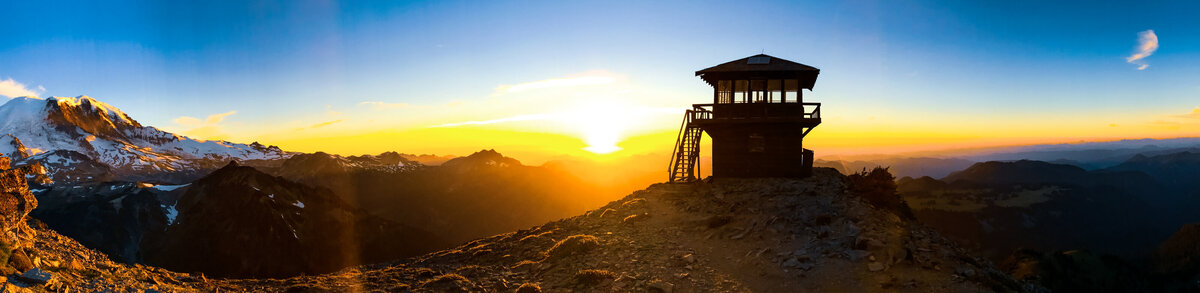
(765, 235)
(238, 221)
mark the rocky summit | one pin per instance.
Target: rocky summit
(819, 234)
(765, 235)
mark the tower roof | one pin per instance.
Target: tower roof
(761, 66)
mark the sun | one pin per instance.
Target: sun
(602, 139)
(601, 124)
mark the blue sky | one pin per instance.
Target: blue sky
(279, 65)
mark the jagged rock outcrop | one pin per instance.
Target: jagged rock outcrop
(764, 235)
(16, 201)
(12, 148)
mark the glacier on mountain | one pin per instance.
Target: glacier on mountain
(31, 126)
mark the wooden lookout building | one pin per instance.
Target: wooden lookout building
(757, 121)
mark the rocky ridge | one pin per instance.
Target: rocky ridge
(767, 235)
(33, 258)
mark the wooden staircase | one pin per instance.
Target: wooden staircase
(686, 157)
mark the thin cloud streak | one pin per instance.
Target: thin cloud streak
(323, 124)
(1147, 44)
(385, 105)
(1195, 114)
(554, 83)
(209, 128)
(529, 117)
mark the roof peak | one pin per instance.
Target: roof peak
(761, 66)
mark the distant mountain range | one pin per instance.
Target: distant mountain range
(900, 166)
(464, 198)
(1086, 155)
(1036, 217)
(143, 195)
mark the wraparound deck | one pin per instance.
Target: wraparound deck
(805, 114)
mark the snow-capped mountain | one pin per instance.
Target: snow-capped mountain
(61, 131)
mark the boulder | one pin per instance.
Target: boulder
(20, 261)
(37, 276)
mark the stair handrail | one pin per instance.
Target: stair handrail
(687, 118)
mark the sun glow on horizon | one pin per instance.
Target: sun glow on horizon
(601, 124)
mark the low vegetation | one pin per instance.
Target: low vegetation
(447, 282)
(574, 245)
(593, 277)
(529, 288)
(878, 187)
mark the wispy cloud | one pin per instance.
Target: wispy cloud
(208, 128)
(385, 105)
(587, 79)
(11, 88)
(1195, 114)
(323, 124)
(319, 125)
(1147, 44)
(528, 117)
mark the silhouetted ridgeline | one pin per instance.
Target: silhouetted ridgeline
(464, 198)
(392, 203)
(1035, 215)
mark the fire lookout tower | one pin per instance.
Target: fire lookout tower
(757, 121)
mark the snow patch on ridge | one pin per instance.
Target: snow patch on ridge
(107, 135)
(169, 187)
(171, 214)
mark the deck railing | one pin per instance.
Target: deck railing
(755, 110)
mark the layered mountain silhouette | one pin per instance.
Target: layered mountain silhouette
(234, 222)
(464, 198)
(1052, 206)
(241, 222)
(900, 166)
(1067, 227)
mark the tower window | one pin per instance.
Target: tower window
(758, 90)
(724, 92)
(739, 91)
